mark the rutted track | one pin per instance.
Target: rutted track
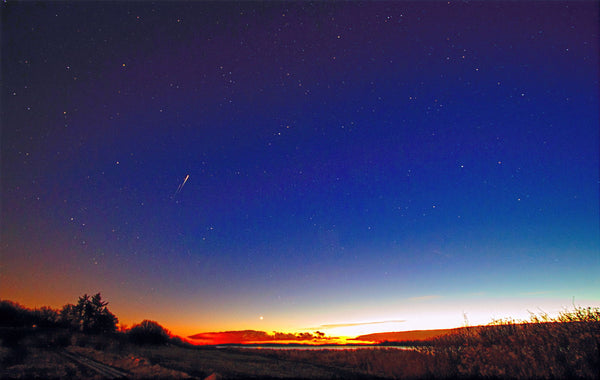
(103, 369)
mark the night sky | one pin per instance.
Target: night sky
(353, 167)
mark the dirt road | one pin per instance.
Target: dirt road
(103, 369)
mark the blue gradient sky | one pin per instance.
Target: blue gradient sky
(348, 162)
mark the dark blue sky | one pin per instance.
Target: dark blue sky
(347, 162)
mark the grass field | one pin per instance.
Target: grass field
(563, 348)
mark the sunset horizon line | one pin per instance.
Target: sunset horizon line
(432, 319)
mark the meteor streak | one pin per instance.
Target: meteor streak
(181, 185)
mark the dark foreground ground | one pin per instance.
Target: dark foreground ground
(73, 356)
(537, 350)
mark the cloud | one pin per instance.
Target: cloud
(476, 294)
(402, 335)
(253, 336)
(424, 298)
(534, 293)
(331, 326)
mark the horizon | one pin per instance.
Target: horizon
(253, 336)
(293, 167)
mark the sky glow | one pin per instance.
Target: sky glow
(299, 167)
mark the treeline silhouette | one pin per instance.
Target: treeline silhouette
(565, 347)
(90, 315)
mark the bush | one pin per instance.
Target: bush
(149, 332)
(14, 315)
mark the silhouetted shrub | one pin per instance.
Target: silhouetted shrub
(149, 332)
(45, 317)
(62, 339)
(177, 341)
(12, 337)
(14, 315)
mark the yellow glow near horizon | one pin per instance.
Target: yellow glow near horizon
(344, 320)
(426, 315)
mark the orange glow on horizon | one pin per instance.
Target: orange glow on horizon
(187, 319)
(215, 339)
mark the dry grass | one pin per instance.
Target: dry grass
(234, 363)
(366, 363)
(138, 366)
(543, 348)
(563, 348)
(38, 363)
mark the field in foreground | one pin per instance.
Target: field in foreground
(48, 355)
(543, 348)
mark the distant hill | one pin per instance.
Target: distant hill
(403, 335)
(253, 336)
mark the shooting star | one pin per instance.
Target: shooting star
(181, 185)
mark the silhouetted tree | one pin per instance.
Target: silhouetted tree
(149, 332)
(89, 315)
(14, 315)
(45, 317)
(68, 316)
